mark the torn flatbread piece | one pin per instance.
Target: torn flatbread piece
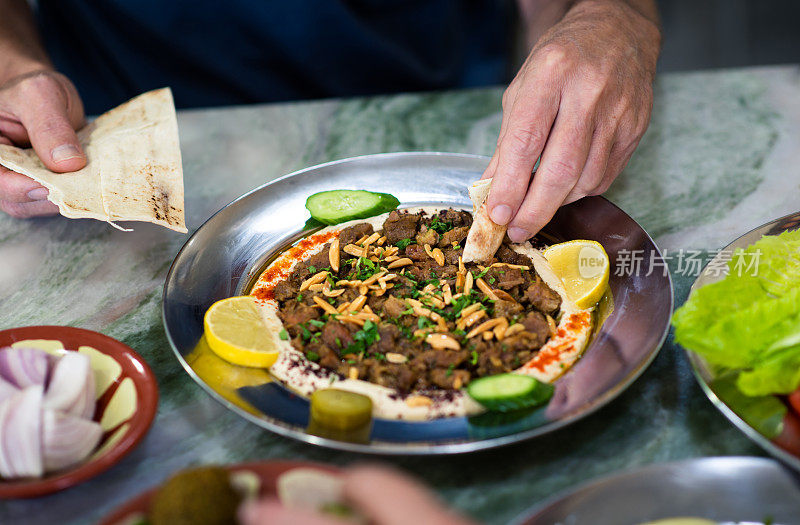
(133, 170)
(485, 236)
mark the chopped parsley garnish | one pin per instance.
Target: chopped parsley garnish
(450, 370)
(283, 334)
(338, 342)
(363, 339)
(474, 359)
(424, 322)
(318, 324)
(492, 280)
(404, 243)
(440, 226)
(481, 274)
(312, 356)
(312, 269)
(407, 311)
(364, 269)
(299, 297)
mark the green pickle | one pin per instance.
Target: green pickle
(341, 415)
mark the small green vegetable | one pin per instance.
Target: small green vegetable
(336, 206)
(283, 334)
(506, 392)
(404, 243)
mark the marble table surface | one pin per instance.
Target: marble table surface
(720, 158)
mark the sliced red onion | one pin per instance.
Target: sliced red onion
(6, 390)
(71, 387)
(67, 440)
(24, 367)
(21, 434)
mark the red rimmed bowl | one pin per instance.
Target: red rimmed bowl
(267, 472)
(127, 403)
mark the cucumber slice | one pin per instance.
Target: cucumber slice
(336, 206)
(506, 392)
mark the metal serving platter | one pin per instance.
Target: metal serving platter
(224, 257)
(728, 490)
(787, 446)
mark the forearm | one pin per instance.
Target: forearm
(538, 16)
(21, 49)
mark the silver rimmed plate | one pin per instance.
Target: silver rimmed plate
(727, 490)
(226, 254)
(786, 444)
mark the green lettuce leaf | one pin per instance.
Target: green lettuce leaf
(750, 320)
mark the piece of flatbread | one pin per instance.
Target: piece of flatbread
(485, 236)
(133, 170)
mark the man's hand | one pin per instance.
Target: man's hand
(582, 102)
(40, 109)
(382, 495)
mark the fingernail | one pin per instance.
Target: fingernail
(65, 152)
(501, 214)
(248, 512)
(39, 194)
(518, 234)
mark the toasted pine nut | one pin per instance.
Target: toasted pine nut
(457, 382)
(372, 238)
(438, 256)
(428, 288)
(314, 279)
(369, 317)
(399, 263)
(381, 240)
(358, 303)
(352, 319)
(496, 361)
(474, 307)
(486, 289)
(500, 330)
(468, 283)
(503, 295)
(352, 373)
(374, 277)
(392, 250)
(514, 329)
(334, 293)
(508, 265)
(333, 254)
(325, 305)
(471, 319)
(552, 324)
(353, 250)
(316, 287)
(391, 258)
(396, 358)
(461, 268)
(442, 341)
(360, 241)
(487, 335)
(419, 401)
(343, 307)
(484, 326)
(363, 289)
(460, 282)
(441, 325)
(435, 301)
(448, 296)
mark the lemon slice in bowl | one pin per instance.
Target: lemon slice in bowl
(236, 332)
(583, 268)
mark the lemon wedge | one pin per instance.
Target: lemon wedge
(236, 332)
(583, 268)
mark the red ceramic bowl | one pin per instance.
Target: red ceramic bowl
(267, 471)
(134, 379)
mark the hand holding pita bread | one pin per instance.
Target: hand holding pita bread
(41, 109)
(581, 102)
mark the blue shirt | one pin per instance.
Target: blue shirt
(245, 51)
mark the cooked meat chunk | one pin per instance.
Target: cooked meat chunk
(388, 338)
(507, 255)
(416, 252)
(438, 358)
(390, 375)
(456, 217)
(336, 335)
(451, 256)
(506, 277)
(319, 261)
(543, 298)
(507, 309)
(323, 354)
(295, 313)
(536, 324)
(284, 290)
(393, 307)
(454, 235)
(399, 226)
(427, 236)
(449, 378)
(353, 233)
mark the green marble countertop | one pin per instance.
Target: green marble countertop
(719, 159)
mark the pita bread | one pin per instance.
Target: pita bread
(133, 170)
(485, 236)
